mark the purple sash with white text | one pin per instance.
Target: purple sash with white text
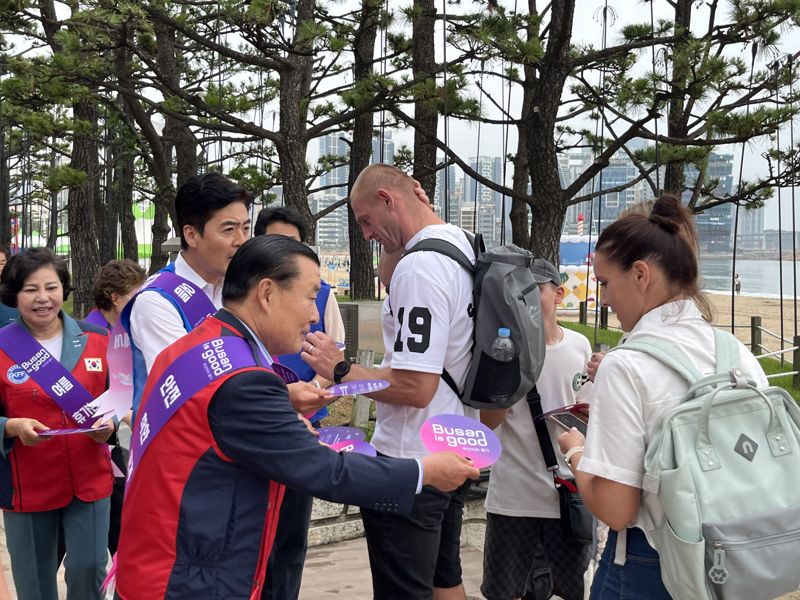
(95, 317)
(46, 370)
(193, 301)
(191, 372)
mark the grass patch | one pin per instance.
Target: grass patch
(770, 365)
(604, 336)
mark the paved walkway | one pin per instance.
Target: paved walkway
(341, 571)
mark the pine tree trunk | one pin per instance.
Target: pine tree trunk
(105, 214)
(5, 217)
(678, 116)
(52, 228)
(423, 56)
(362, 275)
(124, 186)
(82, 231)
(295, 89)
(549, 205)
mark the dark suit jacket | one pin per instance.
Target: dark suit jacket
(206, 509)
(254, 423)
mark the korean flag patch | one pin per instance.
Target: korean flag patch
(93, 364)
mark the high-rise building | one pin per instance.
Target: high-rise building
(751, 229)
(603, 209)
(447, 199)
(487, 201)
(332, 228)
(715, 225)
(387, 157)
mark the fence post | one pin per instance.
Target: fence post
(582, 312)
(796, 362)
(603, 317)
(755, 335)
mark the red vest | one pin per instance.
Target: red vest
(49, 475)
(147, 555)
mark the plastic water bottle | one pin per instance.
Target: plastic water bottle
(503, 347)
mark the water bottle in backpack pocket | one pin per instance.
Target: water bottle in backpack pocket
(500, 369)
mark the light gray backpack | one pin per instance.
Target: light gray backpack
(725, 464)
(505, 294)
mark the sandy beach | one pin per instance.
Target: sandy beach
(746, 306)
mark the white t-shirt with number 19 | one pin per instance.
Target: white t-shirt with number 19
(430, 330)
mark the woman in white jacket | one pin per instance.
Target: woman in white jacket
(648, 273)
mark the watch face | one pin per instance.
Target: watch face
(341, 368)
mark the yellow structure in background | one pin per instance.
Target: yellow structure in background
(579, 285)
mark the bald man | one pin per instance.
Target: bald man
(428, 332)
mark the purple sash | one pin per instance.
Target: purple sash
(33, 361)
(193, 370)
(193, 301)
(95, 317)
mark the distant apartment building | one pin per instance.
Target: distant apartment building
(603, 209)
(447, 198)
(773, 243)
(332, 228)
(483, 201)
(715, 225)
(751, 229)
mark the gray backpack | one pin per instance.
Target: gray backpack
(505, 294)
(725, 464)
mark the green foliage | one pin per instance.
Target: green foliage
(761, 120)
(404, 158)
(636, 32)
(255, 179)
(65, 176)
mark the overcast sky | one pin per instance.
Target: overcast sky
(588, 29)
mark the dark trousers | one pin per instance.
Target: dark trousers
(410, 555)
(285, 564)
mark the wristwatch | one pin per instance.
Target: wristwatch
(341, 369)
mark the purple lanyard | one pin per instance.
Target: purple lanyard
(192, 300)
(46, 371)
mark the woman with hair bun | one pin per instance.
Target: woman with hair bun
(647, 269)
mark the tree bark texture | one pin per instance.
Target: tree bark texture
(293, 143)
(105, 214)
(159, 163)
(80, 210)
(5, 185)
(362, 274)
(425, 113)
(549, 205)
(678, 113)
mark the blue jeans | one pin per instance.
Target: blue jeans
(638, 579)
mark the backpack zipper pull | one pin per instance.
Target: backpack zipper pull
(718, 573)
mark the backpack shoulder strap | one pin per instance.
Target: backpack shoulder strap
(449, 250)
(726, 351)
(667, 354)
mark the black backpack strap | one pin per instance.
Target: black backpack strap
(449, 250)
(448, 379)
(452, 252)
(546, 444)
